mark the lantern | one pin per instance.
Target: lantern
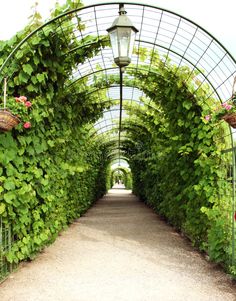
(122, 36)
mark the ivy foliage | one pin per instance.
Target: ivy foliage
(175, 155)
(53, 171)
(176, 162)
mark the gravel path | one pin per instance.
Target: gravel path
(119, 251)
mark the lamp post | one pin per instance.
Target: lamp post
(122, 36)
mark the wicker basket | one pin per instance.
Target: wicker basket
(7, 120)
(231, 119)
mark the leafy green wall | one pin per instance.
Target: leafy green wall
(52, 171)
(176, 159)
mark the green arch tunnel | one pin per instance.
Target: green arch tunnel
(180, 164)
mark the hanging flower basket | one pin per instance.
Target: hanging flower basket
(231, 119)
(16, 112)
(7, 120)
(225, 111)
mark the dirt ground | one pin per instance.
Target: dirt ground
(119, 251)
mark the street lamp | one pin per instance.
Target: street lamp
(122, 36)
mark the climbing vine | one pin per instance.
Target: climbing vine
(176, 168)
(50, 172)
(53, 170)
(175, 154)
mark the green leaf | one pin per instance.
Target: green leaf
(9, 184)
(32, 88)
(25, 250)
(28, 69)
(31, 150)
(8, 142)
(44, 182)
(37, 240)
(34, 80)
(21, 151)
(2, 208)
(7, 156)
(43, 236)
(23, 77)
(187, 104)
(36, 40)
(11, 257)
(19, 54)
(44, 208)
(36, 60)
(40, 78)
(51, 143)
(20, 256)
(9, 197)
(38, 148)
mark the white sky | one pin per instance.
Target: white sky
(217, 17)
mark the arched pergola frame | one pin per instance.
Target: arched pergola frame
(177, 40)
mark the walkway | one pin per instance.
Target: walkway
(119, 251)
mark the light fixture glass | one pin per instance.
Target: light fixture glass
(122, 36)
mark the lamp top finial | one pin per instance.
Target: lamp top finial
(122, 10)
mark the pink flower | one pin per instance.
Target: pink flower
(28, 104)
(27, 125)
(23, 98)
(226, 106)
(208, 117)
(17, 99)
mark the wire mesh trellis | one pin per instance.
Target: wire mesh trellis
(5, 246)
(173, 36)
(227, 193)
